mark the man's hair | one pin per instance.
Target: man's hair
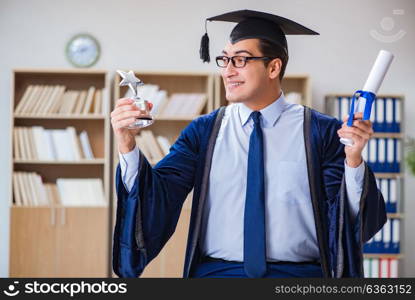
(271, 49)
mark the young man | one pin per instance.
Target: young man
(275, 193)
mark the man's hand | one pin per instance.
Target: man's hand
(360, 133)
(123, 115)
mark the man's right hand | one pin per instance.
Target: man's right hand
(123, 115)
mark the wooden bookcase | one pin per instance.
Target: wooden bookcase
(399, 176)
(170, 261)
(57, 240)
(298, 83)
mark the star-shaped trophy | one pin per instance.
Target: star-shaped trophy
(146, 119)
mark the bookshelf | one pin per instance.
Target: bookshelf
(384, 250)
(170, 261)
(300, 84)
(58, 239)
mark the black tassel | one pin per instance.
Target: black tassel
(204, 48)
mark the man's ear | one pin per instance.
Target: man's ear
(274, 68)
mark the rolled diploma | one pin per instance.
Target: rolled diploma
(376, 76)
(373, 82)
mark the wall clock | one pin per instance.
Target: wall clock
(83, 50)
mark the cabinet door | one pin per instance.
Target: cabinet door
(170, 261)
(32, 242)
(82, 242)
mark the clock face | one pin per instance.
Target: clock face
(82, 50)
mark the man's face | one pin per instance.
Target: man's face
(248, 83)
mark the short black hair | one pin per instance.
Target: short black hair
(271, 49)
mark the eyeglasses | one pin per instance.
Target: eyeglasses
(238, 61)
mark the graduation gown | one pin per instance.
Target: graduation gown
(147, 216)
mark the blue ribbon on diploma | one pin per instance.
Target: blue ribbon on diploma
(370, 98)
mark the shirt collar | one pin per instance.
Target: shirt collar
(270, 113)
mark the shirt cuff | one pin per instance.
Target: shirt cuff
(129, 167)
(354, 186)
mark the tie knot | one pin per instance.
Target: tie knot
(255, 117)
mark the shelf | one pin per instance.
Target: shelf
(98, 161)
(389, 175)
(382, 255)
(391, 135)
(378, 96)
(395, 216)
(61, 117)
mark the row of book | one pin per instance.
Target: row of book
(390, 191)
(383, 154)
(386, 113)
(37, 143)
(385, 240)
(177, 105)
(30, 190)
(153, 147)
(380, 267)
(57, 99)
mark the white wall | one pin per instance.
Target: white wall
(165, 35)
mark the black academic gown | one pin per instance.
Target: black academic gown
(147, 216)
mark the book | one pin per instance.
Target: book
(86, 146)
(81, 191)
(88, 100)
(98, 102)
(73, 140)
(23, 100)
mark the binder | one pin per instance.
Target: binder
(390, 155)
(389, 125)
(395, 236)
(393, 265)
(384, 268)
(380, 114)
(377, 242)
(397, 114)
(387, 238)
(366, 267)
(374, 268)
(365, 153)
(337, 108)
(381, 155)
(372, 154)
(345, 107)
(383, 187)
(398, 152)
(393, 196)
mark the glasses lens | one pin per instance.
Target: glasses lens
(239, 61)
(222, 61)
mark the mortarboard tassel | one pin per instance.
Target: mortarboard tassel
(204, 47)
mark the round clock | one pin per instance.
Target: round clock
(82, 50)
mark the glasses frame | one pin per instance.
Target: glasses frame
(245, 59)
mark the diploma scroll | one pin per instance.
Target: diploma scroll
(362, 100)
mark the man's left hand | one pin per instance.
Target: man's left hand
(360, 133)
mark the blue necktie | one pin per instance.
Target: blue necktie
(254, 218)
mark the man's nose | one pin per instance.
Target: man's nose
(229, 70)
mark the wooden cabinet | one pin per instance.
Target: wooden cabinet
(55, 240)
(58, 242)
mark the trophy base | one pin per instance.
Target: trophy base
(141, 123)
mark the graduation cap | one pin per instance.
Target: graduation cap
(255, 24)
